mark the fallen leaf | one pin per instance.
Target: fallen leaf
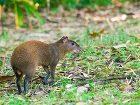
(82, 89)
(126, 101)
(97, 34)
(86, 85)
(122, 45)
(98, 18)
(119, 18)
(85, 75)
(117, 3)
(68, 86)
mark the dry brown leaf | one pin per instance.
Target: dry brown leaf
(99, 18)
(117, 3)
(7, 78)
(97, 34)
(125, 87)
(122, 45)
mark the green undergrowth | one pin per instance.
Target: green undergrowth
(110, 66)
(4, 38)
(111, 54)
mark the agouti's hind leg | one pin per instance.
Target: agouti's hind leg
(46, 68)
(26, 82)
(18, 80)
(28, 77)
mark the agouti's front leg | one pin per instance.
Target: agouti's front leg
(45, 80)
(52, 73)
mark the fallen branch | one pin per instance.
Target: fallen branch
(113, 78)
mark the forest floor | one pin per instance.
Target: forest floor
(106, 72)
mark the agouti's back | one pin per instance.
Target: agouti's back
(31, 52)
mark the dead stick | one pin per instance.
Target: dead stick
(110, 79)
(110, 24)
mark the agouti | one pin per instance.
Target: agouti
(31, 54)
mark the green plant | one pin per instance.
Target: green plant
(94, 3)
(14, 100)
(68, 4)
(21, 8)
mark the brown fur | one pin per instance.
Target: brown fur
(29, 55)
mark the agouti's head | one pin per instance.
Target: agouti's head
(69, 45)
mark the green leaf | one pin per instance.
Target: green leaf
(20, 15)
(32, 11)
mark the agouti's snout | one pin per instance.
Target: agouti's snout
(73, 47)
(77, 50)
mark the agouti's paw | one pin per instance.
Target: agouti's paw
(48, 82)
(45, 82)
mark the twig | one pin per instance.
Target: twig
(37, 78)
(8, 89)
(110, 24)
(51, 21)
(110, 79)
(129, 80)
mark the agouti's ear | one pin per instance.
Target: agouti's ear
(65, 39)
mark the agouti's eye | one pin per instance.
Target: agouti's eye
(72, 43)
